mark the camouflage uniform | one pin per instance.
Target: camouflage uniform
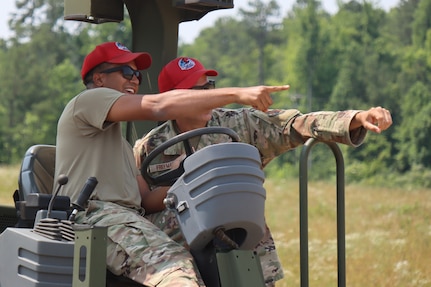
(162, 262)
(272, 133)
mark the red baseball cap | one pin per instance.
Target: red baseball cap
(182, 73)
(115, 53)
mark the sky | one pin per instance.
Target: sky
(188, 31)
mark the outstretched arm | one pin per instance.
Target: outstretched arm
(184, 103)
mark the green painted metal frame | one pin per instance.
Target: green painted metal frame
(303, 212)
(91, 241)
(240, 268)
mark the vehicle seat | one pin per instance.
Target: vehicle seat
(37, 176)
(35, 183)
(37, 171)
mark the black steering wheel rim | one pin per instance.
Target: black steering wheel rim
(169, 177)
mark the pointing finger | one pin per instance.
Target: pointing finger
(277, 88)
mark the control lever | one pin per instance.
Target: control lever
(84, 195)
(62, 180)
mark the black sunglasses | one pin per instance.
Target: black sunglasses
(207, 86)
(126, 71)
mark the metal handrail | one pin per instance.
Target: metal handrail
(303, 212)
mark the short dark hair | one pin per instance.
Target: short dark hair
(88, 79)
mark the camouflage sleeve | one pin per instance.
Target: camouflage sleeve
(278, 131)
(270, 132)
(330, 127)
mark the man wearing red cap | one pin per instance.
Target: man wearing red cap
(90, 143)
(272, 132)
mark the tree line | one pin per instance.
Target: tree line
(359, 57)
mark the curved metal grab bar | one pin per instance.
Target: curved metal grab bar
(303, 212)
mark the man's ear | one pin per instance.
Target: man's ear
(97, 79)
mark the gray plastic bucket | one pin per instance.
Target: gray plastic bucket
(222, 186)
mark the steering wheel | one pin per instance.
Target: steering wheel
(168, 178)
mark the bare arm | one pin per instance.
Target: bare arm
(151, 201)
(375, 119)
(179, 103)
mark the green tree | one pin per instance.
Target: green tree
(24, 88)
(33, 95)
(308, 55)
(399, 27)
(260, 21)
(421, 23)
(311, 53)
(414, 131)
(228, 48)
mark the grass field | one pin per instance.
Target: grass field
(388, 232)
(8, 183)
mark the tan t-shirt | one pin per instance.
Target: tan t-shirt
(87, 146)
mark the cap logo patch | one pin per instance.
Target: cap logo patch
(121, 47)
(186, 64)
